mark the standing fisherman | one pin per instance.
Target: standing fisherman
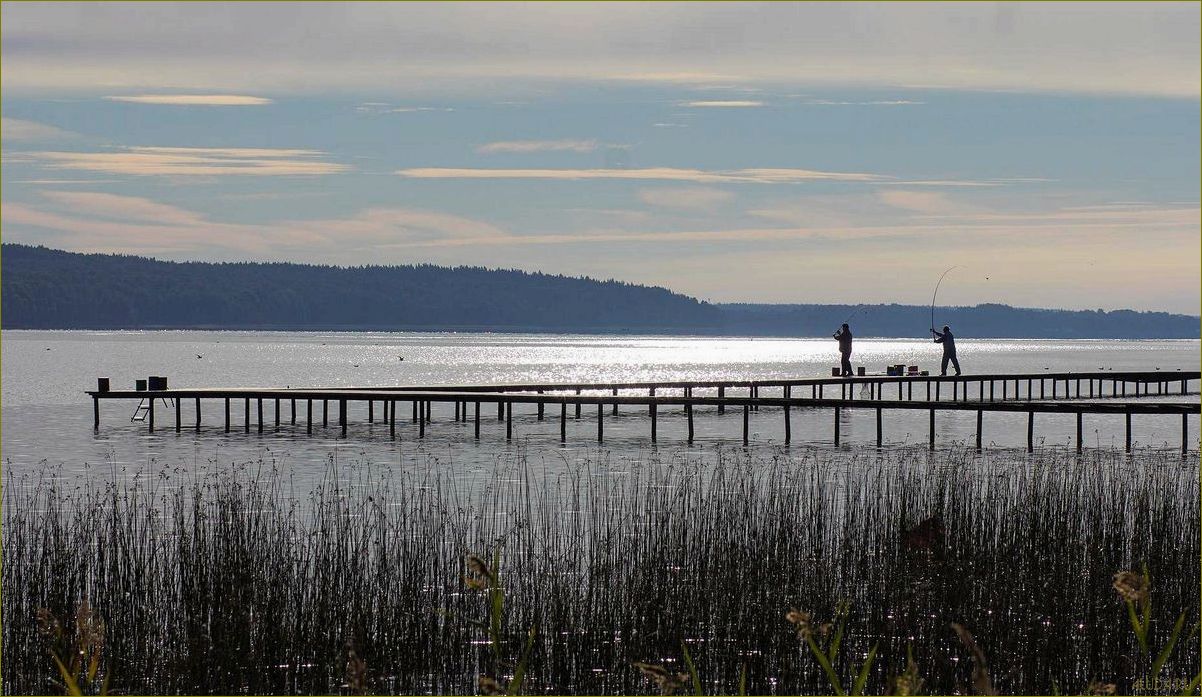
(949, 348)
(844, 337)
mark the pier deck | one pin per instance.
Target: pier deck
(682, 394)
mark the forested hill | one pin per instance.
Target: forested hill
(46, 288)
(52, 289)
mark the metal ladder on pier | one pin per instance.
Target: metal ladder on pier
(143, 408)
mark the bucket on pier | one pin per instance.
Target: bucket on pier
(899, 369)
(860, 370)
(140, 385)
(102, 384)
(158, 382)
(912, 370)
(836, 372)
(890, 370)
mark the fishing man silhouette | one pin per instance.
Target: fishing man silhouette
(949, 348)
(844, 337)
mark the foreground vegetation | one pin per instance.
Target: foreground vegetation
(863, 573)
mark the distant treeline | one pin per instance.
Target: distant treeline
(53, 289)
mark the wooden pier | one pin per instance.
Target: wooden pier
(1046, 393)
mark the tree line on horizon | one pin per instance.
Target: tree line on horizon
(46, 288)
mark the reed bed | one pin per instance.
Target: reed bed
(227, 583)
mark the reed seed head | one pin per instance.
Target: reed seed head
(489, 686)
(1131, 587)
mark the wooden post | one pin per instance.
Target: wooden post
(540, 408)
(1184, 435)
(391, 409)
(955, 390)
(1005, 390)
(836, 427)
(746, 414)
(755, 394)
(413, 417)
(910, 390)
(325, 413)
(1078, 388)
(246, 417)
(178, 420)
(509, 421)
(198, 414)
(1080, 440)
(1128, 419)
(991, 386)
(931, 431)
(96, 414)
(342, 416)
(457, 411)
(292, 413)
(879, 431)
(1054, 381)
(651, 408)
(653, 424)
(150, 414)
(937, 386)
(1091, 388)
(1041, 388)
(227, 414)
(722, 395)
(615, 403)
(476, 417)
(429, 409)
(577, 405)
(259, 404)
(899, 390)
(421, 421)
(928, 382)
(980, 420)
(1029, 383)
(371, 411)
(788, 427)
(501, 410)
(820, 386)
(600, 421)
(1030, 431)
(309, 416)
(688, 410)
(1183, 386)
(277, 414)
(563, 423)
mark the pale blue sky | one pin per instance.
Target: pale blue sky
(765, 153)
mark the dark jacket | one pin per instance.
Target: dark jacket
(948, 341)
(844, 338)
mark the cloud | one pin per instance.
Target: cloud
(176, 161)
(1123, 48)
(919, 201)
(526, 146)
(132, 224)
(736, 176)
(875, 102)
(192, 99)
(22, 130)
(690, 198)
(720, 103)
(385, 108)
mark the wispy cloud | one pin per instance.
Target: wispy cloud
(22, 130)
(176, 161)
(526, 146)
(386, 108)
(191, 99)
(872, 102)
(735, 176)
(689, 198)
(723, 103)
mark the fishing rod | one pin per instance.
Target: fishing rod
(945, 273)
(859, 308)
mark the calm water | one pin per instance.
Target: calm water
(47, 416)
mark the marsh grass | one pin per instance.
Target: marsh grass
(225, 583)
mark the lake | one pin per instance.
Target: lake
(47, 416)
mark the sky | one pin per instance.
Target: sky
(736, 152)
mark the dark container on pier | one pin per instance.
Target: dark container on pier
(158, 382)
(102, 384)
(140, 385)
